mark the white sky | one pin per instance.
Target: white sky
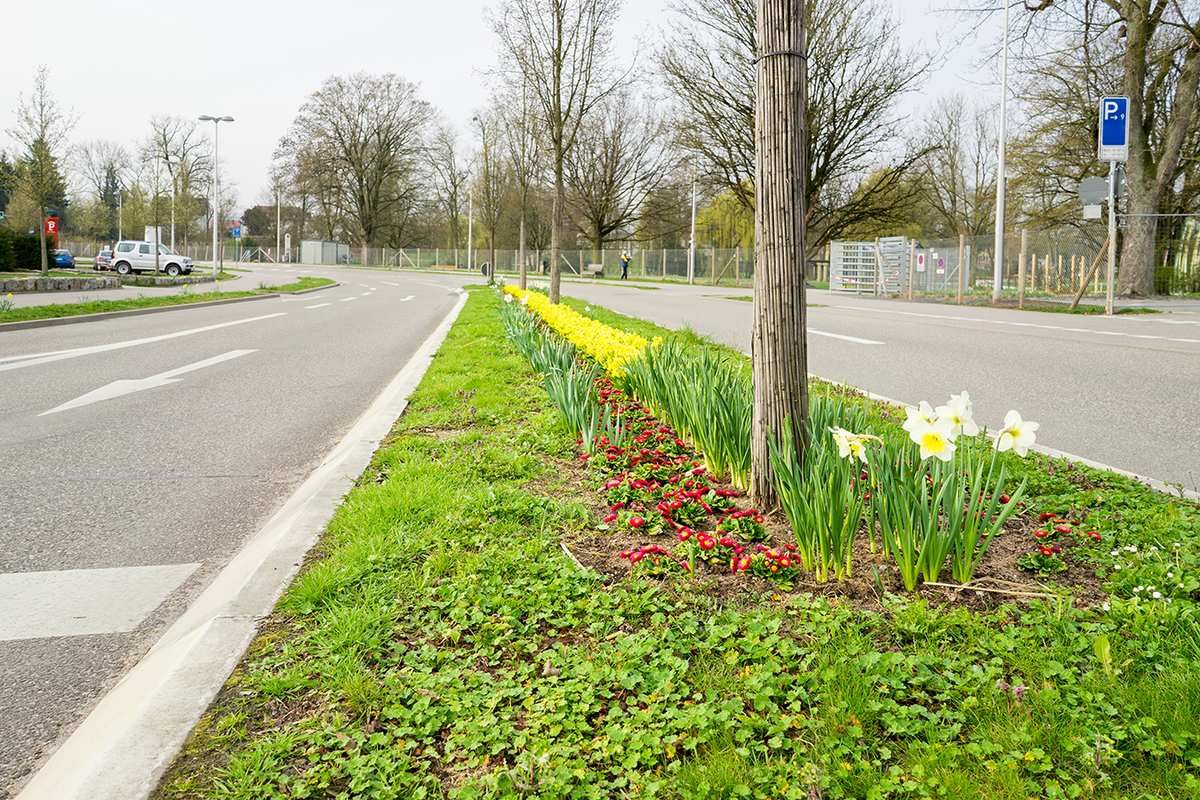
(115, 65)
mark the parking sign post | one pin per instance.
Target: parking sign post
(1114, 147)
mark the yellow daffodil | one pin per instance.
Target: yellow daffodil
(934, 439)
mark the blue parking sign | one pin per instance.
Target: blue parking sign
(1114, 129)
(237, 233)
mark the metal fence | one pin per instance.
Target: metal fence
(1052, 262)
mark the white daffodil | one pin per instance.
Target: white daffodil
(958, 411)
(922, 414)
(852, 444)
(934, 440)
(1017, 434)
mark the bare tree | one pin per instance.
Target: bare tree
(1159, 69)
(619, 158)
(450, 174)
(182, 146)
(779, 349)
(857, 73)
(525, 162)
(558, 50)
(956, 176)
(361, 138)
(43, 129)
(493, 181)
(103, 166)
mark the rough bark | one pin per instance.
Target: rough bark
(778, 342)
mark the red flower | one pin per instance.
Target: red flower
(636, 522)
(1047, 515)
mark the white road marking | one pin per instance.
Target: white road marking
(847, 338)
(84, 602)
(124, 387)
(344, 299)
(406, 299)
(1066, 328)
(59, 355)
(389, 283)
(319, 305)
(366, 294)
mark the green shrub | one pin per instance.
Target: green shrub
(27, 251)
(7, 264)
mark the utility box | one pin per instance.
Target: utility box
(162, 238)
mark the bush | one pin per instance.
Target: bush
(7, 264)
(27, 251)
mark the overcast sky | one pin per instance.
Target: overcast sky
(115, 65)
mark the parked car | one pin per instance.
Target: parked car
(103, 260)
(63, 259)
(136, 256)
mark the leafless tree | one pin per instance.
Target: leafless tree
(42, 128)
(559, 52)
(956, 176)
(360, 139)
(494, 186)
(618, 160)
(181, 145)
(858, 72)
(524, 160)
(449, 173)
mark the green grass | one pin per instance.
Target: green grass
(439, 643)
(299, 285)
(54, 310)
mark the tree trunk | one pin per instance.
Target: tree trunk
(1149, 173)
(556, 216)
(779, 348)
(45, 260)
(521, 255)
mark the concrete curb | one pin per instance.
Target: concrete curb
(122, 749)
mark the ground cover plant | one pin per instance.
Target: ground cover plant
(442, 642)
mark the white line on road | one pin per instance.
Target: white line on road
(319, 305)
(405, 299)
(82, 602)
(344, 299)
(389, 283)
(45, 358)
(847, 338)
(1010, 323)
(124, 387)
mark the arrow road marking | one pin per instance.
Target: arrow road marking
(119, 388)
(59, 355)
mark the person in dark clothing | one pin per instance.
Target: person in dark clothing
(624, 265)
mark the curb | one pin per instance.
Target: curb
(129, 740)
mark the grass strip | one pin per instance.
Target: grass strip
(439, 643)
(186, 297)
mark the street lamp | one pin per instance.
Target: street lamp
(216, 181)
(174, 189)
(998, 267)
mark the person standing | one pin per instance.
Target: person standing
(624, 265)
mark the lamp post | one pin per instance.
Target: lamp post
(998, 267)
(216, 181)
(171, 164)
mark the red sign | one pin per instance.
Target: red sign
(52, 229)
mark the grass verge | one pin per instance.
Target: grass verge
(439, 643)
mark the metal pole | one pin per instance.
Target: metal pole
(998, 271)
(692, 243)
(1112, 236)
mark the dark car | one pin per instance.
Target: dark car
(103, 260)
(63, 259)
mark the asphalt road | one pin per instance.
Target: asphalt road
(1120, 391)
(138, 455)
